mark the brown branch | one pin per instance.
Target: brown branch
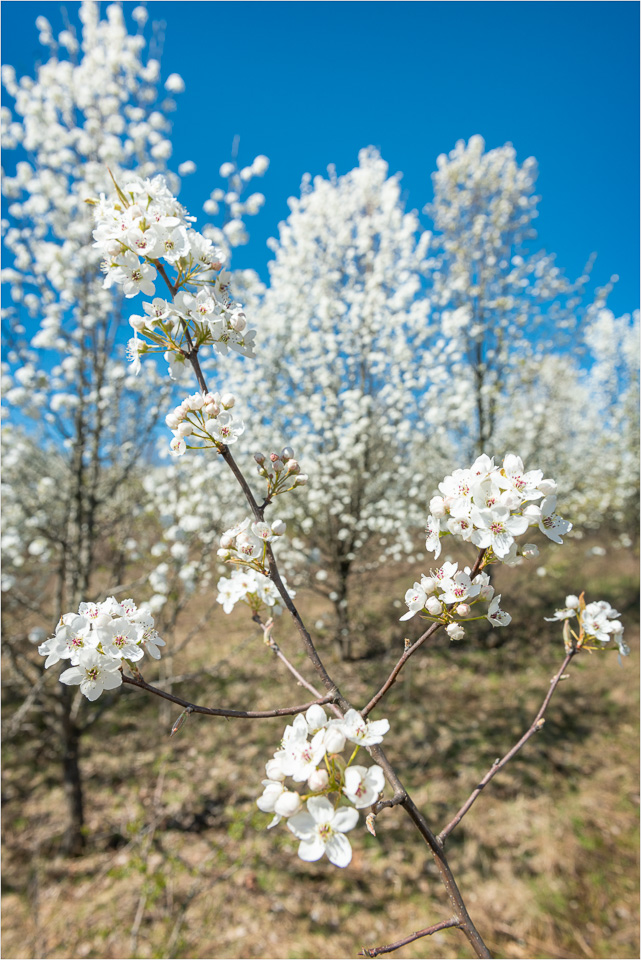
(221, 712)
(537, 724)
(377, 951)
(431, 630)
(271, 643)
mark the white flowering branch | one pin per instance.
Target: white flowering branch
(411, 648)
(488, 505)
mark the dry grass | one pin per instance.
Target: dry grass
(179, 864)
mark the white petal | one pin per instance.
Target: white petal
(311, 850)
(345, 819)
(338, 850)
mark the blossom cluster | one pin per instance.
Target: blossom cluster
(246, 542)
(597, 622)
(252, 588)
(493, 505)
(447, 596)
(204, 417)
(138, 227)
(281, 470)
(98, 641)
(329, 781)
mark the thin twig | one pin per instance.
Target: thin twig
(271, 643)
(431, 630)
(377, 951)
(222, 712)
(536, 725)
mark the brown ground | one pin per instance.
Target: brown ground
(179, 863)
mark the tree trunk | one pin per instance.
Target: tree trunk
(343, 633)
(74, 839)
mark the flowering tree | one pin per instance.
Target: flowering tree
(92, 106)
(312, 782)
(503, 309)
(346, 353)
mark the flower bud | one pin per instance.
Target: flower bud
(463, 610)
(259, 458)
(287, 804)
(278, 528)
(277, 464)
(138, 323)
(293, 466)
(433, 606)
(287, 453)
(212, 409)
(301, 480)
(228, 400)
(334, 739)
(572, 602)
(184, 429)
(429, 584)
(455, 631)
(226, 542)
(437, 507)
(318, 780)
(274, 770)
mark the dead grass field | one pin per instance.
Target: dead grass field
(179, 863)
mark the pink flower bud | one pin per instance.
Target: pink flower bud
(463, 610)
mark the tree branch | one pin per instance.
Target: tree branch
(536, 725)
(431, 630)
(377, 951)
(221, 712)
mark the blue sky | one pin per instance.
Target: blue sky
(310, 83)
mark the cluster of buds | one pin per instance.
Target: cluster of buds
(253, 588)
(597, 625)
(98, 641)
(206, 418)
(448, 595)
(335, 788)
(281, 471)
(246, 543)
(490, 506)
